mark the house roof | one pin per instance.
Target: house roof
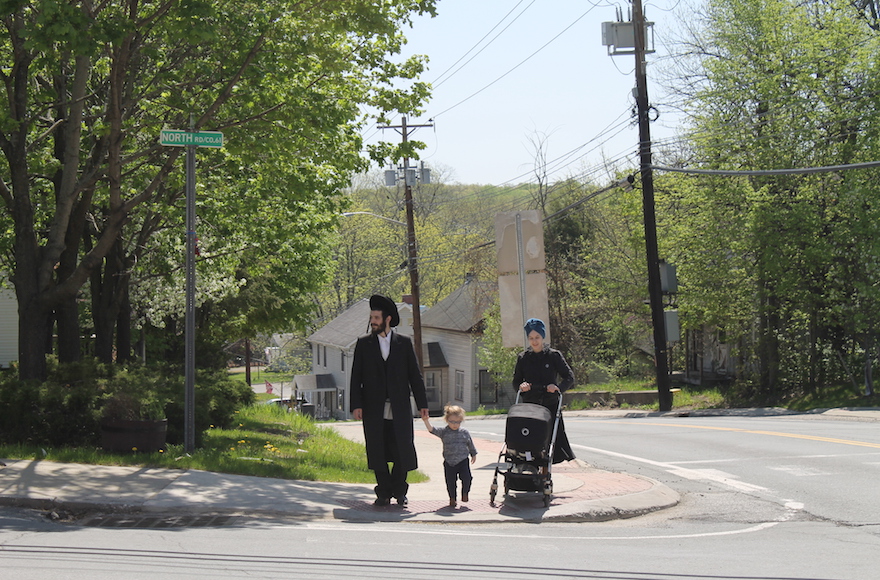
(345, 329)
(463, 309)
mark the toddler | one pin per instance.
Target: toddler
(457, 445)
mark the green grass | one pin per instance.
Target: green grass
(276, 378)
(620, 385)
(267, 442)
(481, 410)
(832, 397)
(688, 398)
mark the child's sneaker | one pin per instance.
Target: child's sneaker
(464, 497)
(452, 501)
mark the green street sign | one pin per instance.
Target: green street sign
(174, 138)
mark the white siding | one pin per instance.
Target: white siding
(8, 327)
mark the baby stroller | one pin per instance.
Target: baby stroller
(527, 455)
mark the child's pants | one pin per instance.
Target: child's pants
(461, 470)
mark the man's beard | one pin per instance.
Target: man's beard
(378, 329)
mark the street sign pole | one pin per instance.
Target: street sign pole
(191, 140)
(189, 436)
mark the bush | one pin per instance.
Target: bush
(66, 409)
(63, 410)
(217, 398)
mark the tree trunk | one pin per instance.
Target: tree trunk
(123, 323)
(768, 349)
(67, 318)
(815, 357)
(34, 326)
(106, 301)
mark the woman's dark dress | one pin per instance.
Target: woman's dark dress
(541, 369)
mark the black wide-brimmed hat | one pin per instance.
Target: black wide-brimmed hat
(387, 306)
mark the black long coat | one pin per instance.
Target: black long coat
(541, 369)
(372, 381)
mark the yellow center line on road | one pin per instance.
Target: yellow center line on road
(772, 433)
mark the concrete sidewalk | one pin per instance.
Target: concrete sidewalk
(580, 492)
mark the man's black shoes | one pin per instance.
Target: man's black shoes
(383, 501)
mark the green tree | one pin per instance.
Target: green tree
(87, 186)
(781, 85)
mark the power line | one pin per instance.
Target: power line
(802, 170)
(522, 62)
(438, 82)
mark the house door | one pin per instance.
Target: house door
(433, 389)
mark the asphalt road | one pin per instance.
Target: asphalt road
(763, 498)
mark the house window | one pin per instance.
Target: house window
(459, 385)
(325, 356)
(342, 361)
(318, 355)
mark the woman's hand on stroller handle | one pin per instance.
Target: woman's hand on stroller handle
(525, 387)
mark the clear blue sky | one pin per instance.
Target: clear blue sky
(513, 89)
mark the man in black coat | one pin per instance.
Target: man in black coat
(383, 374)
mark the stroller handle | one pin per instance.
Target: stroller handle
(558, 395)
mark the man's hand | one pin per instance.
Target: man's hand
(358, 414)
(425, 415)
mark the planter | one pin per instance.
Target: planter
(125, 436)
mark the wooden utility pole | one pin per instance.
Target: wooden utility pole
(655, 291)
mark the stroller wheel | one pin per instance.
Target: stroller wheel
(546, 501)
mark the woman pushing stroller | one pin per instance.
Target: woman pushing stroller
(541, 376)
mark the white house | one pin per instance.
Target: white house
(332, 352)
(451, 336)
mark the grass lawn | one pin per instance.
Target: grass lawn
(267, 442)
